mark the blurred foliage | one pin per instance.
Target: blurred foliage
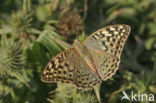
(32, 32)
(11, 59)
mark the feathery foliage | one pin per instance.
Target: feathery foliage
(11, 59)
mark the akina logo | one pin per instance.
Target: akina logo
(138, 97)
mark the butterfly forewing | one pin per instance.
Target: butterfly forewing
(109, 39)
(106, 45)
(60, 68)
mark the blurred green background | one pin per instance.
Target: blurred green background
(28, 29)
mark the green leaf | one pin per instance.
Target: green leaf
(47, 38)
(149, 43)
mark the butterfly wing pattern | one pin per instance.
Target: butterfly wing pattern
(108, 43)
(69, 67)
(85, 78)
(60, 68)
(104, 46)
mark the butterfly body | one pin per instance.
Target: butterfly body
(85, 54)
(89, 62)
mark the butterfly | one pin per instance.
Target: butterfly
(90, 62)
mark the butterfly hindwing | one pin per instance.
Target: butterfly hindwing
(107, 64)
(85, 77)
